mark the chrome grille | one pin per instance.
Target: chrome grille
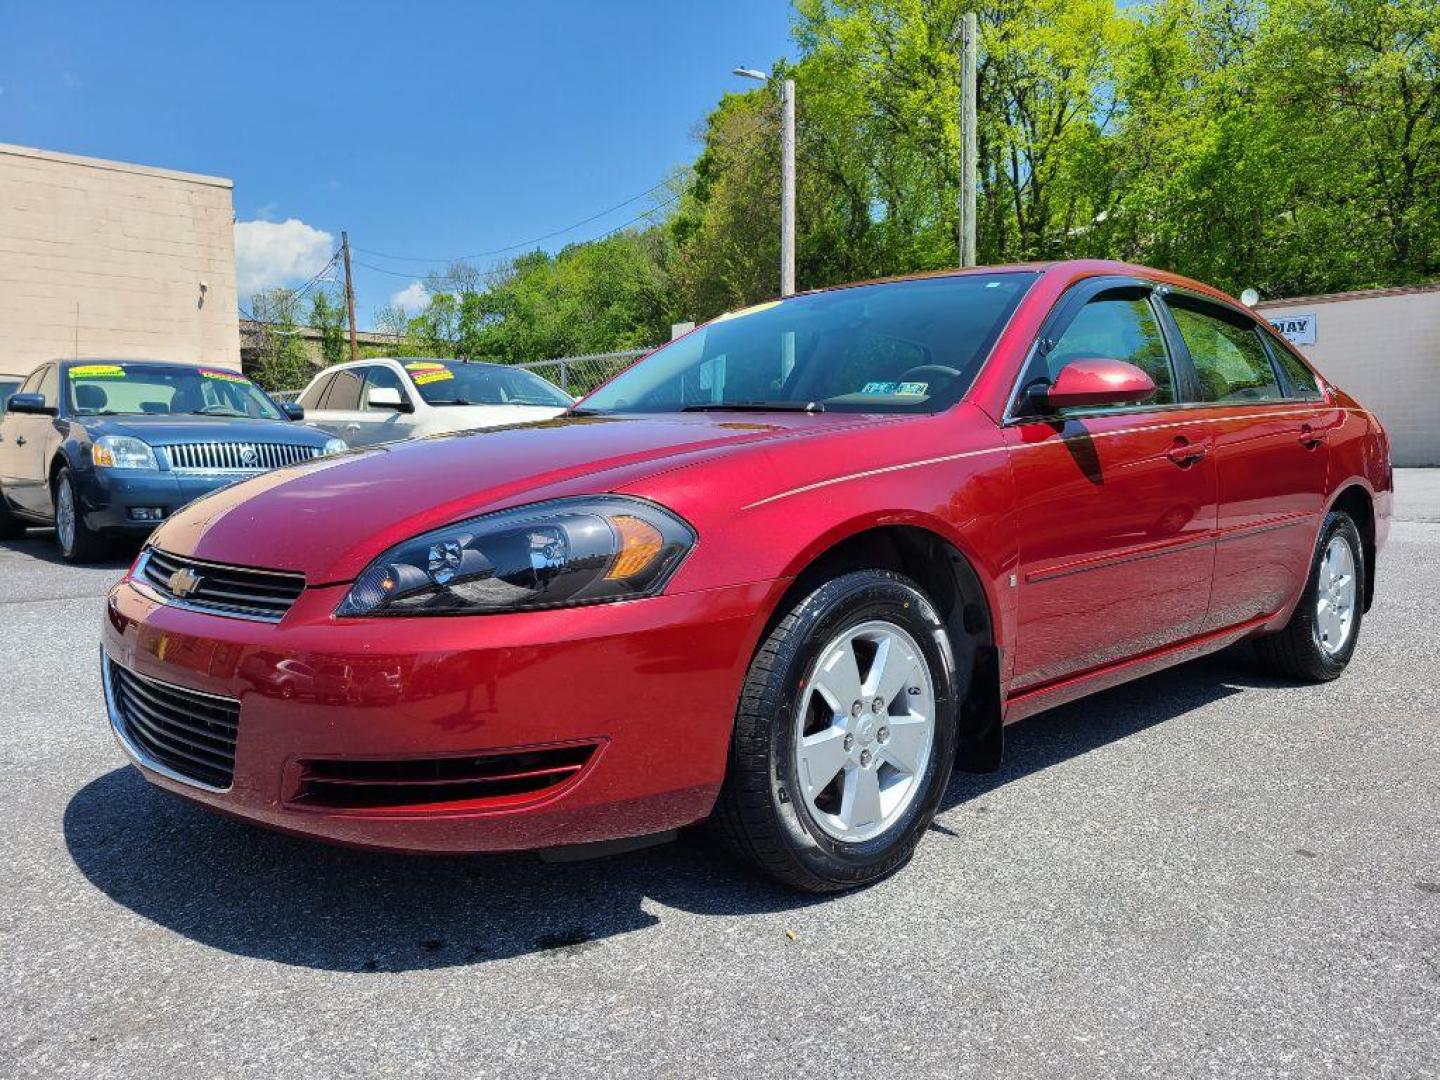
(236, 457)
(225, 590)
(181, 731)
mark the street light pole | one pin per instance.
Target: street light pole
(787, 177)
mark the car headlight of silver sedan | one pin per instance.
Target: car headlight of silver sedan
(122, 452)
(554, 554)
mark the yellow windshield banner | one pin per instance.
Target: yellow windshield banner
(746, 311)
(225, 376)
(432, 375)
(97, 371)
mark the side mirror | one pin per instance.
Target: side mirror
(1094, 382)
(293, 410)
(387, 397)
(29, 403)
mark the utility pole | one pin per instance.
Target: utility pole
(349, 295)
(968, 34)
(787, 190)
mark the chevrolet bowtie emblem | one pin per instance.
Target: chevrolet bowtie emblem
(184, 581)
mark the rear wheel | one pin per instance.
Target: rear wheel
(78, 542)
(845, 736)
(1317, 643)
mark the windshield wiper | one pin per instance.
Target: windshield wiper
(456, 401)
(756, 406)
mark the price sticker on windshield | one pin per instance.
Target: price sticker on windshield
(97, 371)
(225, 376)
(432, 375)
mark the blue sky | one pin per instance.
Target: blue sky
(423, 129)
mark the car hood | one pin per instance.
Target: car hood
(471, 417)
(329, 518)
(162, 430)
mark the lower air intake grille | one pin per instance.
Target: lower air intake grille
(431, 782)
(232, 590)
(189, 733)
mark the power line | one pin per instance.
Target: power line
(514, 247)
(624, 225)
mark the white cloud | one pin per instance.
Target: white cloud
(270, 253)
(412, 298)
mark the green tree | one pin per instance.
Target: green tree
(329, 318)
(281, 363)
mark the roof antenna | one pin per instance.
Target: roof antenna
(77, 329)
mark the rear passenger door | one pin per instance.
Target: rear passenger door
(1269, 431)
(1115, 507)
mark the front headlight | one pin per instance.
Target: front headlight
(334, 446)
(554, 554)
(121, 452)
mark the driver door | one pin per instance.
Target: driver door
(1115, 506)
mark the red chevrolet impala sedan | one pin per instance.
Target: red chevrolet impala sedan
(784, 574)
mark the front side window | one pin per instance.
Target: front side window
(1116, 325)
(110, 389)
(49, 386)
(904, 346)
(1229, 358)
(382, 377)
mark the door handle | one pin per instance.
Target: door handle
(1185, 453)
(1310, 438)
(19, 440)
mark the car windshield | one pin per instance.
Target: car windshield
(443, 382)
(100, 389)
(904, 346)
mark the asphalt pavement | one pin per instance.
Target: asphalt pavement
(1207, 873)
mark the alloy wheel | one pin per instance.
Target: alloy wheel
(864, 731)
(65, 515)
(1335, 596)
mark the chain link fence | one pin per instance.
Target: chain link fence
(577, 375)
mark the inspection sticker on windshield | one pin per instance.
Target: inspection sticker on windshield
(224, 376)
(891, 389)
(97, 371)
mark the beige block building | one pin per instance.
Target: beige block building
(105, 259)
(1383, 346)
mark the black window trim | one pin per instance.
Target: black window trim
(347, 369)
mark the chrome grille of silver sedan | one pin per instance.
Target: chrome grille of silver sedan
(236, 457)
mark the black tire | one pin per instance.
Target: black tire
(761, 815)
(85, 544)
(11, 527)
(1296, 651)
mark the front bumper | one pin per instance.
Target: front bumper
(651, 684)
(107, 496)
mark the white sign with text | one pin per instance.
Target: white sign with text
(1297, 329)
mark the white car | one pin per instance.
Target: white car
(366, 402)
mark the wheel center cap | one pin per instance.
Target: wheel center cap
(865, 731)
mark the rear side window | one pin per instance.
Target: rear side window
(343, 394)
(1115, 326)
(1300, 381)
(1230, 360)
(312, 397)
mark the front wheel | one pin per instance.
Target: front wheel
(78, 542)
(845, 736)
(1317, 643)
